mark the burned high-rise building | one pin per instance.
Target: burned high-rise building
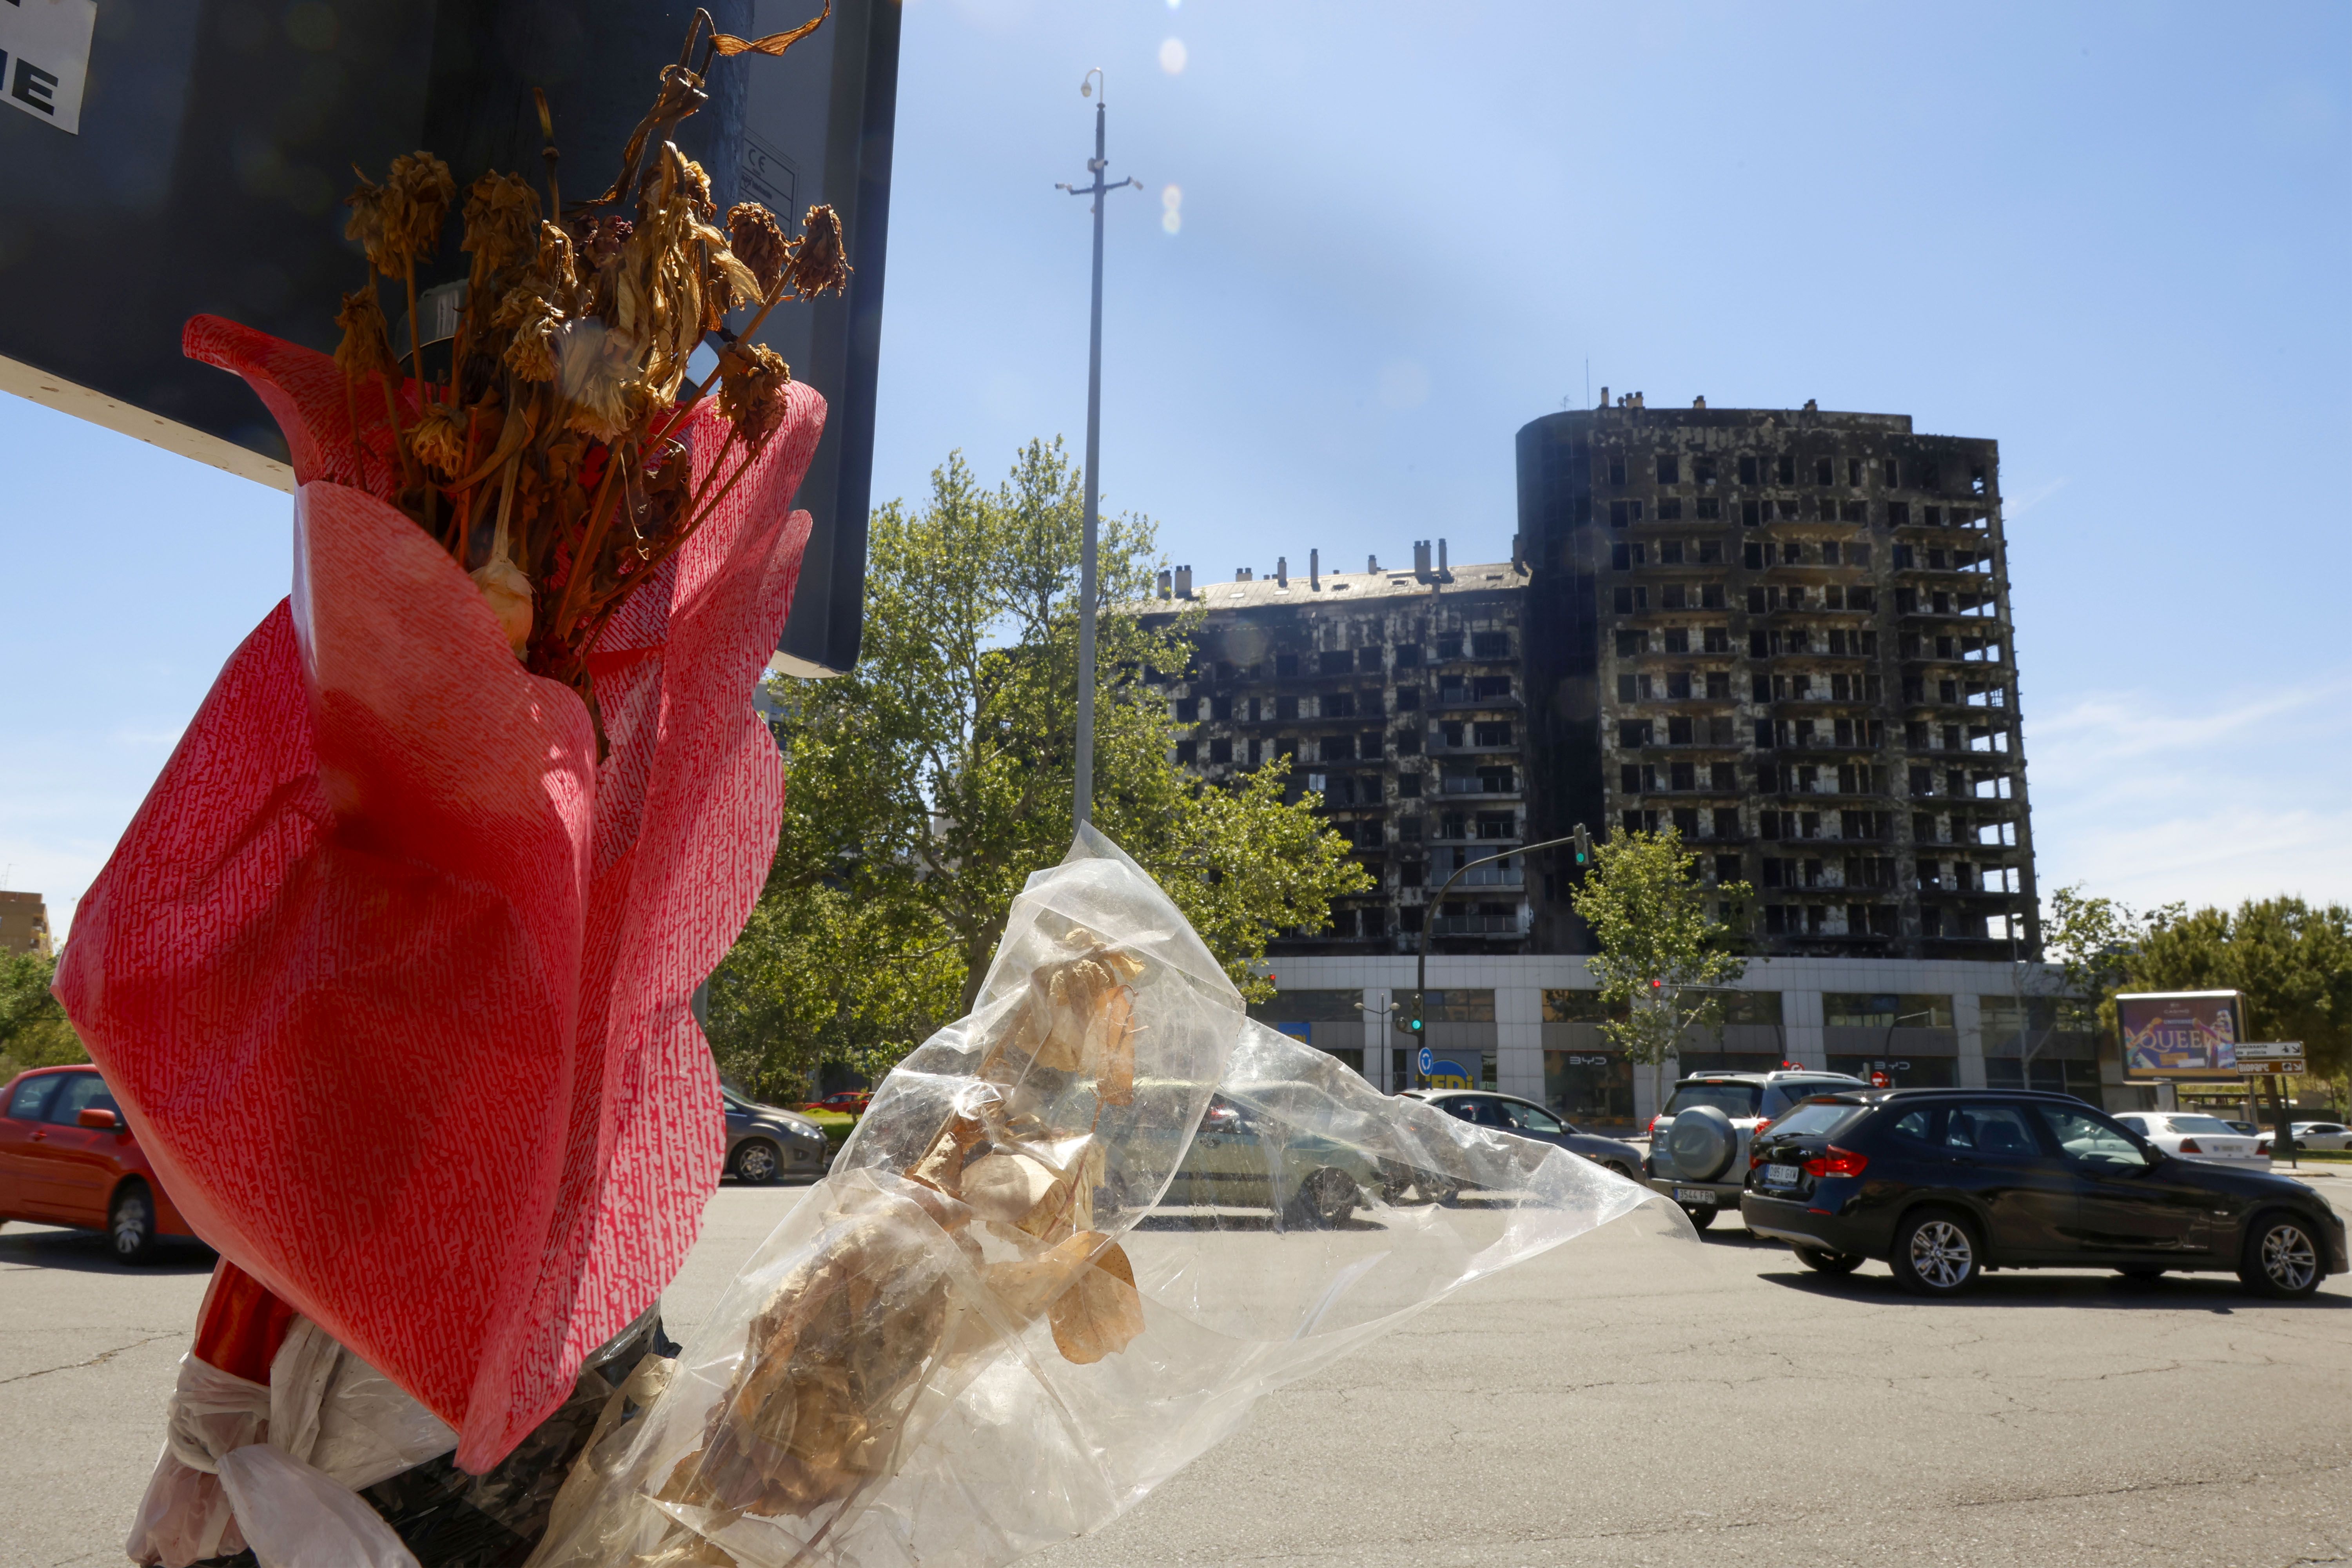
(1786, 634)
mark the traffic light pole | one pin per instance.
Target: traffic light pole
(1418, 1025)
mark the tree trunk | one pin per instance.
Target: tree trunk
(978, 948)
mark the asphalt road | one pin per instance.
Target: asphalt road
(1620, 1401)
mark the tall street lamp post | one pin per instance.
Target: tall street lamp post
(1082, 807)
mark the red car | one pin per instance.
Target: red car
(67, 1157)
(852, 1101)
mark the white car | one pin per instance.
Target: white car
(2203, 1138)
(2322, 1135)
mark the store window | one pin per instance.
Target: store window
(1858, 1010)
(1594, 1089)
(1902, 1071)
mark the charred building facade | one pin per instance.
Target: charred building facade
(1399, 699)
(1785, 633)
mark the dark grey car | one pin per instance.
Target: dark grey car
(765, 1142)
(1529, 1120)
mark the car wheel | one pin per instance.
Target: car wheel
(1325, 1199)
(1437, 1189)
(2282, 1259)
(1937, 1254)
(1701, 1215)
(758, 1163)
(1617, 1168)
(131, 1224)
(1821, 1260)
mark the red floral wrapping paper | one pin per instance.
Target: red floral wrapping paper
(392, 977)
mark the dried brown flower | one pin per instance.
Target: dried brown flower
(596, 373)
(819, 262)
(555, 270)
(751, 397)
(438, 438)
(758, 242)
(502, 221)
(417, 201)
(533, 319)
(366, 346)
(694, 186)
(366, 223)
(726, 281)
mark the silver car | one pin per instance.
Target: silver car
(765, 1142)
(1698, 1144)
(1511, 1114)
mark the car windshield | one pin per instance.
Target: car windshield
(1734, 1099)
(1820, 1118)
(2200, 1124)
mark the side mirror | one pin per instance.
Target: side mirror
(96, 1116)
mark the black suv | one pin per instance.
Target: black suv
(1945, 1184)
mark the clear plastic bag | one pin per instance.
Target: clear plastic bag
(295, 1516)
(1075, 1237)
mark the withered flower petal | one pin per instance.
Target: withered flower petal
(753, 379)
(367, 224)
(819, 263)
(438, 437)
(533, 319)
(597, 377)
(366, 346)
(417, 201)
(758, 242)
(501, 214)
(1102, 1313)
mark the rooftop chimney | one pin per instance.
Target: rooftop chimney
(1315, 570)
(1518, 549)
(1605, 397)
(1165, 582)
(1184, 582)
(1698, 402)
(1420, 559)
(1372, 564)
(1282, 570)
(1443, 574)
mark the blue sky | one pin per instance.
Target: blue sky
(2113, 237)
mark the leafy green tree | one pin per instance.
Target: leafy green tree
(927, 785)
(2293, 962)
(1667, 944)
(33, 1028)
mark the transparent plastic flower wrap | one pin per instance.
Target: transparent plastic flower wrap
(1076, 1236)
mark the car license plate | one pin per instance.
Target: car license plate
(1694, 1196)
(1781, 1176)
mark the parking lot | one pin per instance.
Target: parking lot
(1621, 1399)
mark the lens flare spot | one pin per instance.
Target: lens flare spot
(1172, 56)
(1171, 207)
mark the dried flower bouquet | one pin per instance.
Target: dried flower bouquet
(443, 855)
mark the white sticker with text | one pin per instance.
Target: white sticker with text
(45, 55)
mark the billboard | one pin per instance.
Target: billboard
(2180, 1034)
(170, 158)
